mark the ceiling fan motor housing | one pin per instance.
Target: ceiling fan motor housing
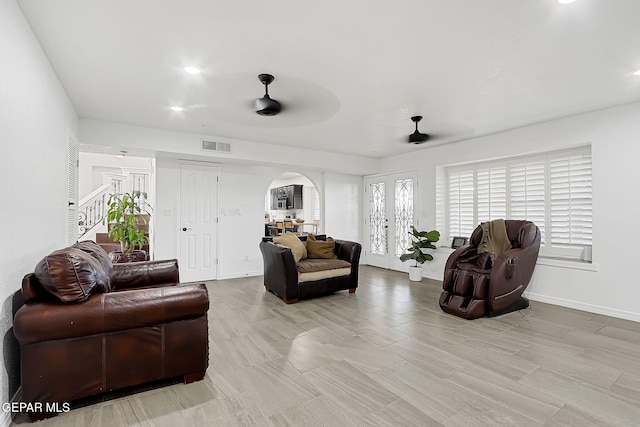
(417, 137)
(266, 106)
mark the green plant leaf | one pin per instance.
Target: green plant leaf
(122, 219)
(421, 240)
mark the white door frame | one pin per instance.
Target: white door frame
(73, 167)
(389, 259)
(199, 274)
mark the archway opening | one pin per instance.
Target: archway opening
(292, 203)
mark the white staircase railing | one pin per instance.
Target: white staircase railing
(92, 209)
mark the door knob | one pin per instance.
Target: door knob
(185, 228)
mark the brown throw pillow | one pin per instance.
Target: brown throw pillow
(321, 249)
(71, 275)
(291, 241)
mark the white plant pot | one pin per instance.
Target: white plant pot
(415, 274)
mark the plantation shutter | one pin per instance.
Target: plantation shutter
(461, 209)
(571, 199)
(527, 190)
(316, 205)
(491, 184)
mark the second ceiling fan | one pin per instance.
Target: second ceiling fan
(417, 137)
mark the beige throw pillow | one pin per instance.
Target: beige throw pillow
(291, 241)
(321, 249)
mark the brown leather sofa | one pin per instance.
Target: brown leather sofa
(474, 286)
(281, 272)
(89, 327)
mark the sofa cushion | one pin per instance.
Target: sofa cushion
(321, 249)
(310, 265)
(318, 269)
(71, 275)
(291, 241)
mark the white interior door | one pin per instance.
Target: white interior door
(390, 214)
(198, 223)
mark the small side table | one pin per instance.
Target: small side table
(120, 257)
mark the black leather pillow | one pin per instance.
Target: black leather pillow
(71, 275)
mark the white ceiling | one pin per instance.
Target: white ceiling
(350, 73)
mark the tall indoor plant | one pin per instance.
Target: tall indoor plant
(420, 240)
(124, 212)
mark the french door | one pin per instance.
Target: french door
(390, 213)
(198, 222)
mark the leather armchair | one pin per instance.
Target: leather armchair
(136, 324)
(474, 286)
(282, 278)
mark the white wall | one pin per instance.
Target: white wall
(35, 120)
(241, 193)
(245, 177)
(614, 134)
(343, 206)
(188, 145)
(166, 210)
(91, 164)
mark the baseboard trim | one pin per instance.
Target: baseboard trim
(635, 317)
(240, 274)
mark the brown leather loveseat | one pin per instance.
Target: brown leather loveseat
(310, 277)
(88, 327)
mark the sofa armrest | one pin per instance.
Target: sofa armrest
(350, 252)
(280, 272)
(110, 312)
(510, 275)
(457, 254)
(143, 274)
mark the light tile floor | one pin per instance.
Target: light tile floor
(387, 356)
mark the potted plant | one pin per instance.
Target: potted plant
(124, 213)
(420, 241)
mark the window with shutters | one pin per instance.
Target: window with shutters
(553, 190)
(316, 205)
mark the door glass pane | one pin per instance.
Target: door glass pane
(377, 220)
(403, 214)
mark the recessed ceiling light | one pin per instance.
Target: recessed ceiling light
(636, 73)
(176, 108)
(121, 155)
(192, 70)
(565, 1)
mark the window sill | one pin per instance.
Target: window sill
(542, 260)
(444, 249)
(568, 263)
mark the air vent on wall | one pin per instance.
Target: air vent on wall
(221, 147)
